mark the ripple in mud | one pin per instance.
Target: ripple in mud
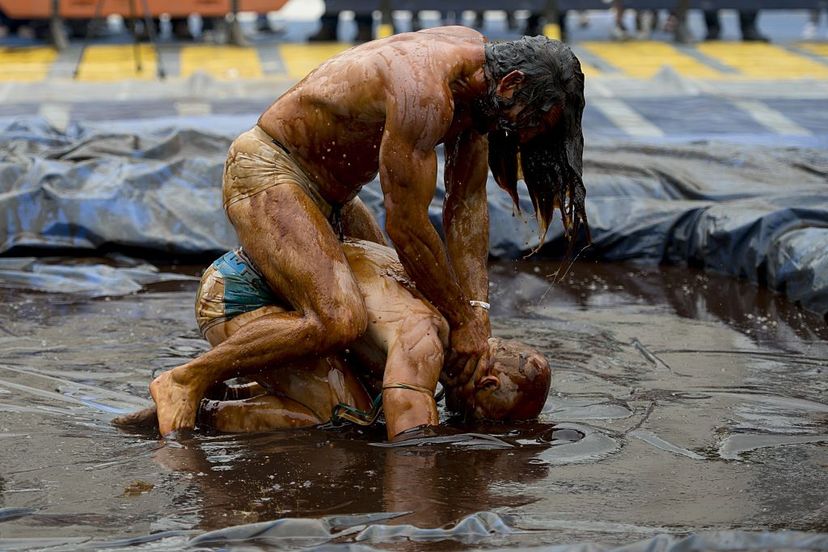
(592, 446)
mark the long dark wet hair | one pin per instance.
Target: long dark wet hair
(552, 162)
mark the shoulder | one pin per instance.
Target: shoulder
(454, 32)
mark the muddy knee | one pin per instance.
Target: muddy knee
(341, 324)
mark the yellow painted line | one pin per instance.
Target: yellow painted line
(643, 59)
(221, 62)
(301, 59)
(763, 61)
(552, 31)
(112, 63)
(25, 64)
(818, 48)
(589, 70)
(384, 30)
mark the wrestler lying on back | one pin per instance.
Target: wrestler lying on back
(403, 348)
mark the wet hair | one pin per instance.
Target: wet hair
(523, 379)
(551, 162)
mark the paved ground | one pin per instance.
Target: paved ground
(767, 93)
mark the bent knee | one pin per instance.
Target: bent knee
(342, 324)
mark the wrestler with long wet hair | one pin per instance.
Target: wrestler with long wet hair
(550, 161)
(290, 187)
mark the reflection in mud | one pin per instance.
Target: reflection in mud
(680, 402)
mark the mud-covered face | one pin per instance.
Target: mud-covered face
(515, 389)
(533, 121)
(540, 155)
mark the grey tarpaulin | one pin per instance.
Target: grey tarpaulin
(754, 212)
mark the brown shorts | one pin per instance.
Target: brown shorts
(256, 162)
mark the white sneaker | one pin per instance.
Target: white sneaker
(810, 31)
(619, 33)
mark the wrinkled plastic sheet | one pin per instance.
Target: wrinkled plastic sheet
(119, 275)
(754, 212)
(363, 532)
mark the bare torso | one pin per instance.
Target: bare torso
(333, 121)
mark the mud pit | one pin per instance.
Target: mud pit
(681, 402)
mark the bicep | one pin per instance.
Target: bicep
(408, 163)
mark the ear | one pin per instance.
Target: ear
(510, 83)
(489, 383)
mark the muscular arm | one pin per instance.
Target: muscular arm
(416, 121)
(466, 215)
(359, 223)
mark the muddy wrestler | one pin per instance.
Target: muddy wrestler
(290, 187)
(398, 359)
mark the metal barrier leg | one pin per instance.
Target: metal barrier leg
(386, 26)
(136, 42)
(681, 34)
(552, 28)
(85, 43)
(153, 38)
(57, 32)
(236, 35)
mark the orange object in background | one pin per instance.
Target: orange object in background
(85, 9)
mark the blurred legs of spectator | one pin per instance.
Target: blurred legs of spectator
(747, 25)
(619, 29)
(677, 23)
(181, 28)
(24, 28)
(534, 27)
(330, 27)
(327, 32)
(5, 25)
(365, 27)
(511, 22)
(811, 26)
(646, 21)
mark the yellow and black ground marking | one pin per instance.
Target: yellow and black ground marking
(641, 60)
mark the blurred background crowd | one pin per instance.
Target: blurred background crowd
(617, 23)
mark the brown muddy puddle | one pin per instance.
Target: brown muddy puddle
(681, 402)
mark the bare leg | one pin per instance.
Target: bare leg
(262, 413)
(147, 418)
(293, 245)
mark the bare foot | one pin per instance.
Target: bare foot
(146, 418)
(177, 405)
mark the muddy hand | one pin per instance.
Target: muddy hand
(469, 348)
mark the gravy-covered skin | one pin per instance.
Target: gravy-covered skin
(381, 108)
(403, 349)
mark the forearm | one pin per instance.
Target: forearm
(466, 216)
(467, 240)
(360, 224)
(424, 259)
